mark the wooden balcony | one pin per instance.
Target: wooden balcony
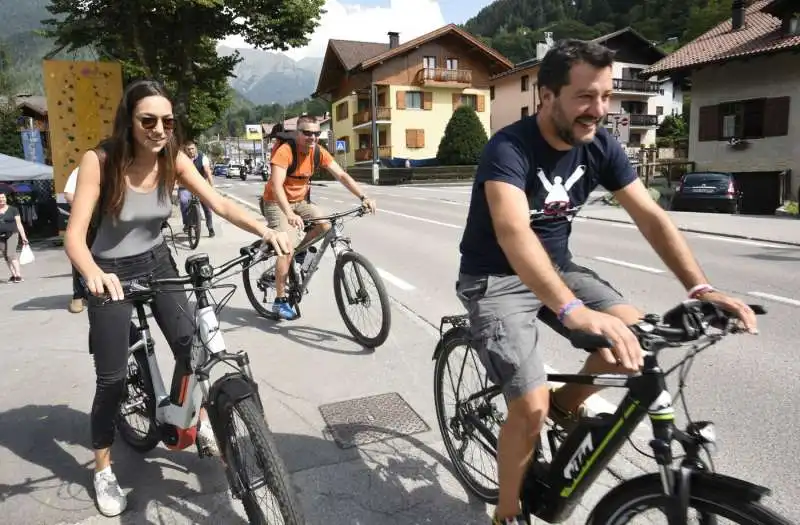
(362, 117)
(637, 120)
(440, 76)
(637, 86)
(366, 153)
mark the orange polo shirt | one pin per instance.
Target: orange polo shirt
(296, 184)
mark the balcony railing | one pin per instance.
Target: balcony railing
(362, 117)
(441, 75)
(638, 86)
(366, 153)
(638, 120)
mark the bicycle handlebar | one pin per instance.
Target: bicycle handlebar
(685, 323)
(360, 211)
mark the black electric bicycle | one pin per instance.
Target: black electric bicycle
(553, 486)
(352, 274)
(255, 471)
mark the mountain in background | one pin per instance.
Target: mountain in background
(265, 77)
(513, 27)
(261, 78)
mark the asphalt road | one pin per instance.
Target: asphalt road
(746, 385)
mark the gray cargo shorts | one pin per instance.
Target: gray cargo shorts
(503, 314)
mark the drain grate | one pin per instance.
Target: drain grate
(369, 419)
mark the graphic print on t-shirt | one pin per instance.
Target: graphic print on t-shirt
(557, 202)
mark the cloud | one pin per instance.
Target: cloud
(410, 18)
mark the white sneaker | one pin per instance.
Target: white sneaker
(206, 440)
(110, 499)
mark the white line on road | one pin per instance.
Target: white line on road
(398, 282)
(629, 265)
(776, 298)
(242, 201)
(419, 218)
(742, 241)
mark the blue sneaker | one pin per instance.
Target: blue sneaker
(283, 309)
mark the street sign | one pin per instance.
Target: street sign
(341, 147)
(253, 132)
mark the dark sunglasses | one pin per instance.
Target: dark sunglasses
(309, 134)
(151, 122)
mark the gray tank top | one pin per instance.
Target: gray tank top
(138, 228)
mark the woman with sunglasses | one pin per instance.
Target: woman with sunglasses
(127, 181)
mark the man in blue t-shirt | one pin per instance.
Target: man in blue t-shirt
(533, 177)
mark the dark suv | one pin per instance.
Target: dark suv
(707, 191)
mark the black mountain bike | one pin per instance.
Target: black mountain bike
(553, 487)
(254, 468)
(352, 276)
(195, 222)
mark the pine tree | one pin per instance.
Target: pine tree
(464, 139)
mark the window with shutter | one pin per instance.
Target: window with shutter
(415, 138)
(480, 103)
(708, 128)
(456, 100)
(427, 100)
(420, 138)
(776, 116)
(400, 100)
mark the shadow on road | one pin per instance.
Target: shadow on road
(295, 331)
(37, 434)
(47, 302)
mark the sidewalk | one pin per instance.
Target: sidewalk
(300, 366)
(781, 230)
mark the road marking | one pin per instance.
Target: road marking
(419, 218)
(337, 201)
(629, 265)
(776, 298)
(454, 189)
(746, 242)
(398, 282)
(242, 201)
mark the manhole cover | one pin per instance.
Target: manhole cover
(369, 419)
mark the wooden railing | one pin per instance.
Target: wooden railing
(639, 86)
(366, 153)
(444, 75)
(362, 117)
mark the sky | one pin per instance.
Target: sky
(371, 20)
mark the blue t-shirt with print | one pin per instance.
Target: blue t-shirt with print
(557, 183)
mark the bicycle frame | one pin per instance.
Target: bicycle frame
(179, 417)
(552, 491)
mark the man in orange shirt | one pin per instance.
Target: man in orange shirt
(285, 205)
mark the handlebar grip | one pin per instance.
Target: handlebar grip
(588, 341)
(758, 309)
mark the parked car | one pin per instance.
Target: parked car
(221, 170)
(707, 191)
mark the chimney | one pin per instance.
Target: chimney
(394, 39)
(737, 6)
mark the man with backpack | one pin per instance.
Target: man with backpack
(285, 198)
(203, 165)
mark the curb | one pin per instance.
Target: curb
(703, 232)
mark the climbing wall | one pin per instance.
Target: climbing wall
(82, 98)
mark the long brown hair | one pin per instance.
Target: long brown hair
(119, 150)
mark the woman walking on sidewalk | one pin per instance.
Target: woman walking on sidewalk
(11, 231)
(126, 183)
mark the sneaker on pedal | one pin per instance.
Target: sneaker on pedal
(109, 496)
(206, 442)
(283, 309)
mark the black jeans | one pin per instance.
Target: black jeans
(110, 335)
(78, 289)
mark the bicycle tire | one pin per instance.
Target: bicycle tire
(453, 339)
(195, 220)
(383, 297)
(128, 434)
(620, 504)
(257, 305)
(272, 466)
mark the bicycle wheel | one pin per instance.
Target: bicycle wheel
(709, 498)
(139, 400)
(356, 294)
(263, 276)
(263, 469)
(195, 221)
(459, 432)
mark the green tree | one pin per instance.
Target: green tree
(174, 41)
(463, 140)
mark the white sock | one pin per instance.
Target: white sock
(107, 469)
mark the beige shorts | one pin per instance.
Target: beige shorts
(277, 220)
(8, 247)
